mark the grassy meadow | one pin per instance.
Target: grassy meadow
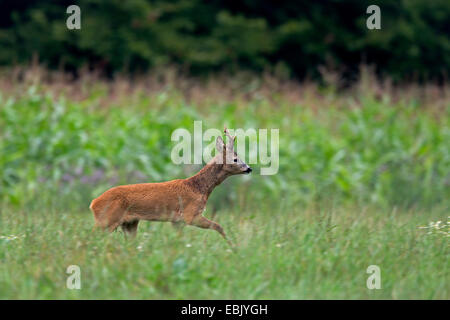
(364, 176)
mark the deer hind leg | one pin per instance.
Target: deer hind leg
(108, 216)
(130, 228)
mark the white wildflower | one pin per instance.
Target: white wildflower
(11, 237)
(438, 227)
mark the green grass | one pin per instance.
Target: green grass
(358, 176)
(296, 254)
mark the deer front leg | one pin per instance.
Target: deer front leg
(178, 226)
(204, 223)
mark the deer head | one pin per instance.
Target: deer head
(232, 164)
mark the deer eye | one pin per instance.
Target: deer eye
(235, 160)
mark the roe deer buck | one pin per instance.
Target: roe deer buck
(178, 201)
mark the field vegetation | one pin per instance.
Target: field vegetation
(363, 171)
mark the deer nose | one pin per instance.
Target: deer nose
(248, 170)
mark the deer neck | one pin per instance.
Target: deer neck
(208, 178)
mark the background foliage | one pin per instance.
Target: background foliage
(292, 38)
(352, 148)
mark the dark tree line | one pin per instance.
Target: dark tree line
(293, 37)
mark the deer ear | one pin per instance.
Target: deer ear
(219, 144)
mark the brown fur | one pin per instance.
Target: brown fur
(178, 201)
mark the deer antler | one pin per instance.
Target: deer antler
(232, 138)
